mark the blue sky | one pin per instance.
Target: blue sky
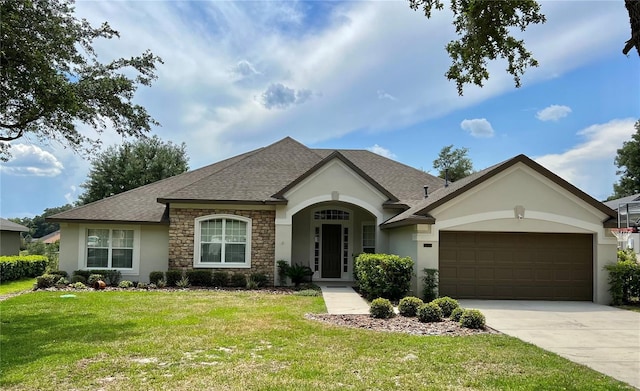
(365, 75)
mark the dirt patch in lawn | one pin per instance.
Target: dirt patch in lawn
(399, 324)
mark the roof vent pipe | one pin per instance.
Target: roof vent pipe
(446, 177)
(426, 191)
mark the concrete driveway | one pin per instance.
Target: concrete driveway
(603, 338)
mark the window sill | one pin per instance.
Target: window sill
(222, 265)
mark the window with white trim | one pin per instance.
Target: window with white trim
(109, 248)
(369, 238)
(222, 241)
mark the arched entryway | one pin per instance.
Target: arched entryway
(328, 235)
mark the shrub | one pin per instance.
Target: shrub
(624, 281)
(83, 273)
(78, 278)
(472, 319)
(109, 276)
(199, 277)
(173, 276)
(112, 277)
(60, 280)
(46, 281)
(260, 279)
(383, 275)
(307, 292)
(125, 284)
(408, 306)
(429, 284)
(60, 273)
(183, 283)
(238, 280)
(142, 285)
(282, 275)
(19, 266)
(251, 284)
(446, 304)
(156, 276)
(160, 284)
(381, 308)
(297, 273)
(627, 255)
(220, 279)
(95, 277)
(429, 312)
(456, 314)
(78, 285)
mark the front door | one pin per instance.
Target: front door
(331, 235)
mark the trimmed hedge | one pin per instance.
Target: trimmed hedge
(19, 266)
(381, 308)
(408, 306)
(446, 304)
(472, 319)
(383, 275)
(110, 277)
(173, 276)
(199, 277)
(155, 276)
(624, 281)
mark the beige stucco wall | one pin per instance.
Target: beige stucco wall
(547, 208)
(154, 251)
(9, 243)
(333, 185)
(153, 248)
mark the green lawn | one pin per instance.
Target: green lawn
(24, 284)
(249, 341)
(635, 308)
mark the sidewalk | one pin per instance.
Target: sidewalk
(343, 300)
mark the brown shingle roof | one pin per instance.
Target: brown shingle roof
(259, 176)
(253, 179)
(8, 225)
(140, 205)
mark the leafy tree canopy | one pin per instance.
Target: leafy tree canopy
(131, 165)
(454, 163)
(51, 79)
(485, 30)
(628, 163)
(38, 227)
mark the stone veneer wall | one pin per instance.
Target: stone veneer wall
(263, 238)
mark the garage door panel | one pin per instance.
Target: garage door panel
(486, 274)
(498, 265)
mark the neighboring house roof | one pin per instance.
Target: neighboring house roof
(261, 176)
(614, 204)
(445, 194)
(8, 225)
(50, 238)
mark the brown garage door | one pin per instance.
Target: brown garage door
(522, 266)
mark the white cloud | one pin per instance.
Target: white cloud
(244, 69)
(589, 165)
(479, 127)
(31, 160)
(553, 113)
(343, 55)
(382, 151)
(385, 95)
(72, 195)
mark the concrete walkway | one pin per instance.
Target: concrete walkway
(603, 338)
(342, 299)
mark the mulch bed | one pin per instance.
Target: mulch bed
(399, 324)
